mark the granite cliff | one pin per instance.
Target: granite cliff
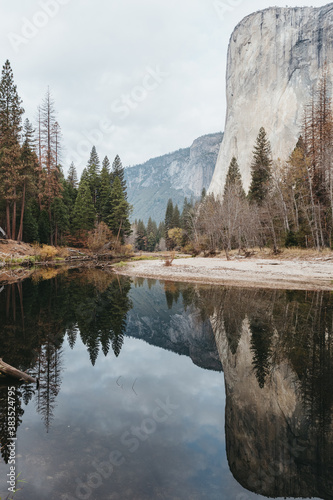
(175, 175)
(275, 59)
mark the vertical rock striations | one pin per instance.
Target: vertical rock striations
(175, 175)
(275, 58)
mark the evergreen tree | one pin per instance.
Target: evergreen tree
(119, 171)
(106, 163)
(105, 189)
(168, 216)
(185, 221)
(260, 169)
(141, 236)
(10, 152)
(60, 218)
(44, 227)
(72, 176)
(118, 210)
(168, 221)
(234, 179)
(93, 172)
(50, 184)
(29, 171)
(84, 211)
(176, 217)
(151, 235)
(30, 226)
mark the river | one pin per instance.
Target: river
(164, 390)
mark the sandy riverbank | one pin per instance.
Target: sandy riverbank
(315, 274)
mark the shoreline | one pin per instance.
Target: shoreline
(311, 274)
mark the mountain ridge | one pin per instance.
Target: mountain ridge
(179, 174)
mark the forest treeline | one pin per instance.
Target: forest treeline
(288, 204)
(37, 202)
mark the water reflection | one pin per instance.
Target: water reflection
(38, 314)
(276, 350)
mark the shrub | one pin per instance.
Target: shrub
(47, 253)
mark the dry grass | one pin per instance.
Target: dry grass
(285, 254)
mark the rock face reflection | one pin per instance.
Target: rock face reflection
(181, 330)
(277, 356)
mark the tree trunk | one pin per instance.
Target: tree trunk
(8, 218)
(14, 217)
(13, 372)
(51, 233)
(20, 233)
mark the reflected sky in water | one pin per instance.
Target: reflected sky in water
(144, 423)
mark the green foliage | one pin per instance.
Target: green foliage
(118, 210)
(30, 226)
(44, 227)
(93, 172)
(234, 179)
(72, 177)
(141, 236)
(84, 212)
(260, 169)
(118, 171)
(105, 190)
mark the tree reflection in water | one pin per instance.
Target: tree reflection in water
(39, 314)
(276, 348)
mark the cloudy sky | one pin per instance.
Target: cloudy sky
(138, 78)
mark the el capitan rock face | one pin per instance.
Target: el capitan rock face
(275, 59)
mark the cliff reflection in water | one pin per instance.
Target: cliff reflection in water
(276, 349)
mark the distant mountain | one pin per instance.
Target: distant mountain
(177, 175)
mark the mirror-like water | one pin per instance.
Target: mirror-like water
(132, 402)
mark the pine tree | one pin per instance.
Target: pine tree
(119, 171)
(118, 210)
(29, 171)
(72, 176)
(10, 152)
(176, 217)
(168, 220)
(84, 211)
(151, 235)
(141, 236)
(60, 218)
(49, 174)
(93, 172)
(168, 216)
(105, 189)
(260, 169)
(234, 179)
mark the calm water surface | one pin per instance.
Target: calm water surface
(132, 400)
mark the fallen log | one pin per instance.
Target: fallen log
(13, 372)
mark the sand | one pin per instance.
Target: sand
(315, 274)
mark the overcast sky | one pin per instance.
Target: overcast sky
(138, 78)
